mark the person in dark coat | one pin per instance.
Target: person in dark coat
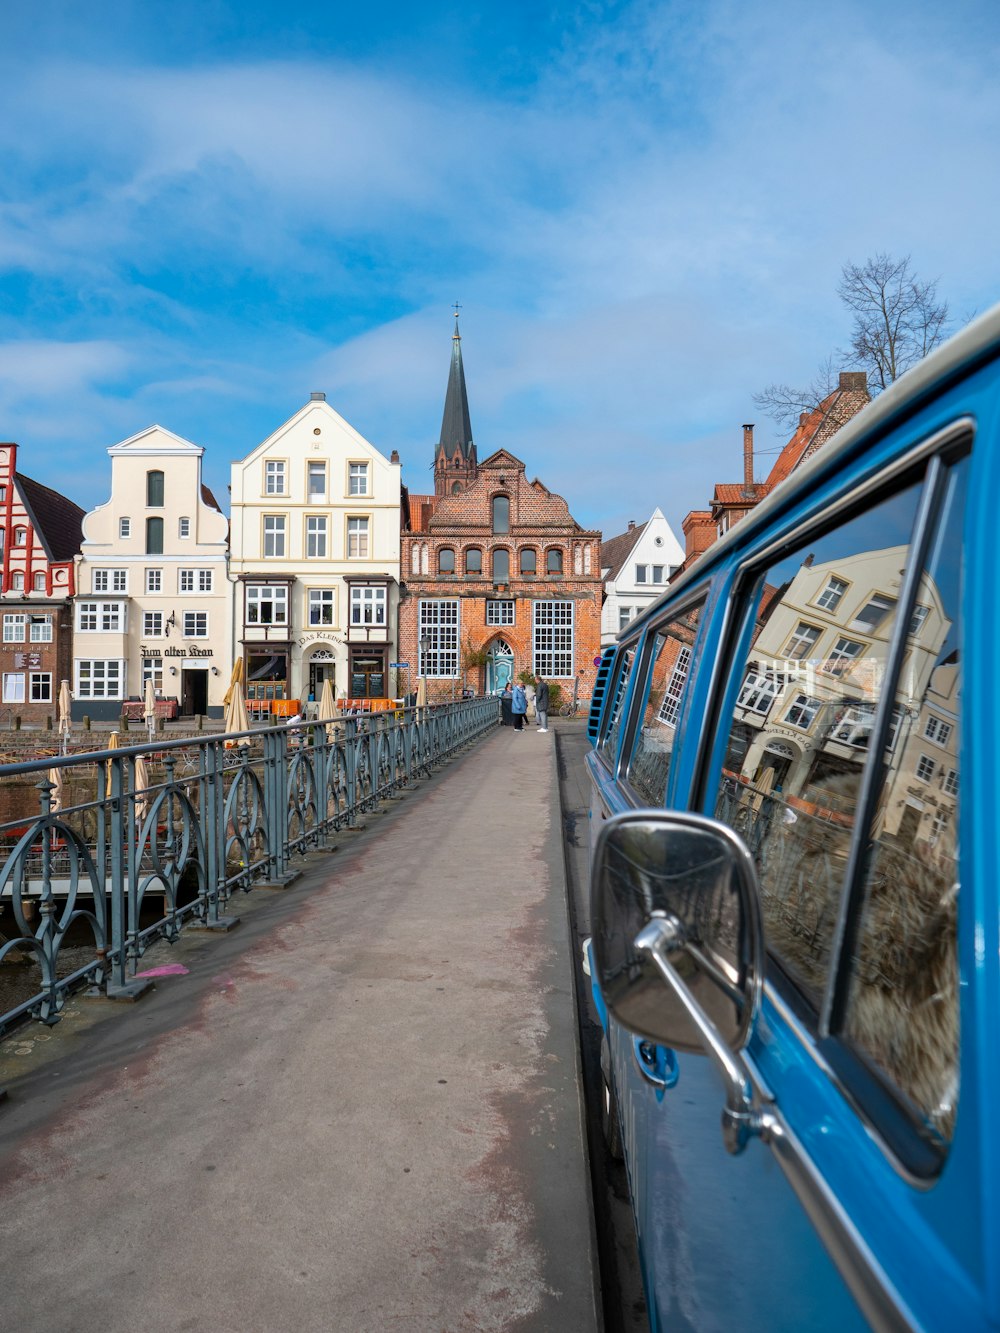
(518, 706)
(542, 703)
(506, 717)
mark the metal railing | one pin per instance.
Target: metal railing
(193, 822)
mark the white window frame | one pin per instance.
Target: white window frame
(195, 624)
(152, 669)
(937, 731)
(759, 691)
(369, 606)
(13, 687)
(357, 479)
(257, 594)
(833, 593)
(553, 639)
(925, 768)
(317, 536)
(184, 528)
(358, 537)
(152, 624)
(275, 476)
(316, 471)
(845, 653)
(40, 687)
(802, 712)
(670, 707)
(15, 628)
(110, 580)
(320, 600)
(882, 606)
(275, 532)
(438, 621)
(39, 629)
(500, 611)
(154, 580)
(124, 529)
(802, 641)
(101, 618)
(108, 682)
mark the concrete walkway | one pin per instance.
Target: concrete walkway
(358, 1111)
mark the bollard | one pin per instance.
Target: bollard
(48, 724)
(17, 724)
(200, 722)
(159, 723)
(123, 723)
(86, 721)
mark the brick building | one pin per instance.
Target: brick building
(39, 536)
(498, 578)
(731, 501)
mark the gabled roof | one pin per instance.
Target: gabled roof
(58, 521)
(616, 550)
(819, 425)
(456, 427)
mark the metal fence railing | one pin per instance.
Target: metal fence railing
(120, 848)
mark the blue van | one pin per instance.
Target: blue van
(796, 937)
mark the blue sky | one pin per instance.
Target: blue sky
(210, 209)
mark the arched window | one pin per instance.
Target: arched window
(17, 580)
(456, 487)
(446, 560)
(424, 566)
(553, 560)
(586, 559)
(529, 560)
(154, 490)
(577, 558)
(414, 559)
(501, 566)
(154, 536)
(473, 560)
(501, 513)
(39, 583)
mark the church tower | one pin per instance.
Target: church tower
(455, 463)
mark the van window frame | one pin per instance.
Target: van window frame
(870, 1093)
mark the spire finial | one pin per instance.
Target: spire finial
(456, 334)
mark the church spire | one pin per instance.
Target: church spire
(455, 456)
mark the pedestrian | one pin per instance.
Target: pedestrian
(506, 717)
(542, 703)
(518, 706)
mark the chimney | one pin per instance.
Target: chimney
(748, 459)
(317, 397)
(854, 379)
(394, 456)
(631, 525)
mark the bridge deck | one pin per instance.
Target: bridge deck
(358, 1111)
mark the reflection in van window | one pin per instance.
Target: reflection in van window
(654, 744)
(797, 741)
(609, 744)
(902, 1004)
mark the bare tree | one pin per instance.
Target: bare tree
(897, 321)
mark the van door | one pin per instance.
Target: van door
(848, 672)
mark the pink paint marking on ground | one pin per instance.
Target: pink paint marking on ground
(167, 970)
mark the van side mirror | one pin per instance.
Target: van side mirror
(696, 877)
(678, 942)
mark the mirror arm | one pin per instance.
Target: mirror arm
(741, 1120)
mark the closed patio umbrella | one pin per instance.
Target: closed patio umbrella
(236, 718)
(56, 778)
(141, 784)
(65, 722)
(235, 679)
(113, 744)
(327, 707)
(422, 692)
(149, 708)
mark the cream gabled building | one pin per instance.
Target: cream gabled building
(315, 555)
(153, 600)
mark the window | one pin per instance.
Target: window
(154, 490)
(13, 628)
(185, 580)
(873, 614)
(552, 639)
(38, 582)
(274, 536)
(124, 528)
(760, 689)
(40, 687)
(920, 614)
(102, 617)
(316, 482)
(152, 670)
(668, 673)
(154, 536)
(152, 624)
(949, 783)
(183, 528)
(40, 629)
(501, 513)
(832, 595)
(274, 477)
(624, 617)
(368, 606)
(473, 560)
(98, 678)
(195, 624)
(529, 560)
(499, 611)
(316, 533)
(321, 606)
(845, 652)
(438, 624)
(110, 580)
(13, 687)
(641, 572)
(17, 581)
(501, 565)
(802, 641)
(657, 573)
(154, 580)
(20, 536)
(357, 539)
(554, 561)
(616, 716)
(357, 479)
(267, 604)
(446, 560)
(937, 731)
(831, 847)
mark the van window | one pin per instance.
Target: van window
(901, 1008)
(616, 713)
(791, 777)
(655, 740)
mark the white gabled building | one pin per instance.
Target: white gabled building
(315, 556)
(636, 567)
(152, 594)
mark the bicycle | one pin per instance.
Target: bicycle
(569, 709)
